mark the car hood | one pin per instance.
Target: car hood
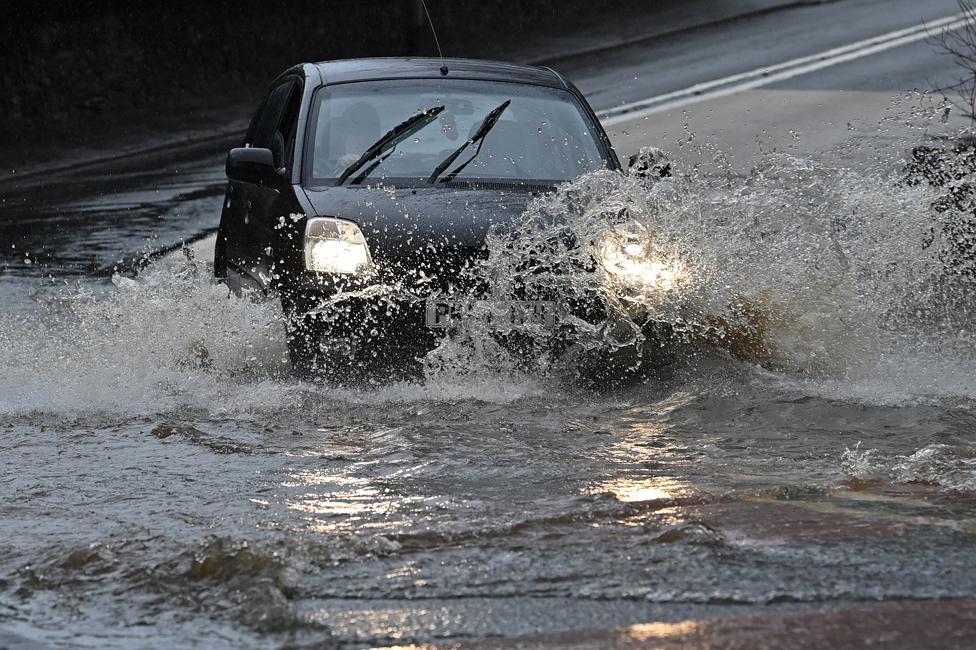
(399, 222)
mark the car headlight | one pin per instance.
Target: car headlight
(335, 246)
(624, 259)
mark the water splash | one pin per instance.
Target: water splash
(826, 267)
(168, 338)
(951, 467)
(834, 278)
(172, 340)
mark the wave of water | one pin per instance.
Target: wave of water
(173, 340)
(839, 274)
(952, 467)
(838, 279)
(167, 339)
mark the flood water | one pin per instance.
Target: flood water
(164, 477)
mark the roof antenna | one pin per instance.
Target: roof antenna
(444, 70)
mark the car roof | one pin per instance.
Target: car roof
(414, 68)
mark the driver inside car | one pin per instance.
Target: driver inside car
(355, 130)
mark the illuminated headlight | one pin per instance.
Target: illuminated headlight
(625, 260)
(335, 246)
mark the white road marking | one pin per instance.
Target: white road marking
(778, 72)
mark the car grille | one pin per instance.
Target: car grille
(441, 270)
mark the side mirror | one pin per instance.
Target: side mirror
(251, 165)
(649, 163)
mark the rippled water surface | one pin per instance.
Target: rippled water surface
(163, 474)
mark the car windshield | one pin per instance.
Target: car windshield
(542, 136)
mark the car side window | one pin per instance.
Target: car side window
(266, 133)
(288, 125)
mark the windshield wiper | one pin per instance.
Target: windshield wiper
(479, 136)
(391, 139)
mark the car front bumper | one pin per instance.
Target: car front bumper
(389, 323)
(397, 330)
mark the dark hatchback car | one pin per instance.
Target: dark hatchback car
(365, 189)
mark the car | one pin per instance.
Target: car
(365, 190)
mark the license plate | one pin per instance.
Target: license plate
(441, 314)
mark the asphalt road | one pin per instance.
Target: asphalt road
(865, 100)
(672, 62)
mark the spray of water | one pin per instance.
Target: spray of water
(833, 278)
(168, 338)
(951, 467)
(814, 271)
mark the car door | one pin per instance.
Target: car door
(270, 205)
(251, 210)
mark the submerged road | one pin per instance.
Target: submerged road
(161, 477)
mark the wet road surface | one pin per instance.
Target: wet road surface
(164, 477)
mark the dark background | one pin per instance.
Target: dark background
(68, 67)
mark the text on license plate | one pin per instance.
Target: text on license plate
(441, 314)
